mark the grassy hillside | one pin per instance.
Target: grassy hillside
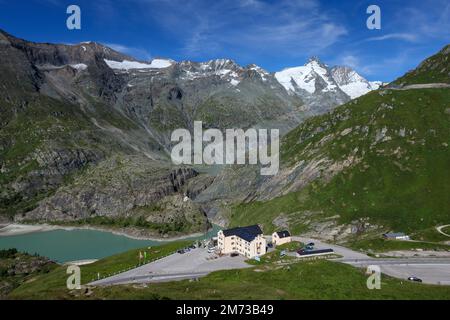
(318, 279)
(53, 285)
(17, 268)
(399, 175)
(402, 178)
(382, 245)
(435, 69)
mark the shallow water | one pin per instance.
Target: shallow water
(63, 246)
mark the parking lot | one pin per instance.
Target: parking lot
(193, 264)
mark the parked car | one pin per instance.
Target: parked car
(180, 251)
(211, 250)
(270, 245)
(234, 255)
(311, 244)
(415, 279)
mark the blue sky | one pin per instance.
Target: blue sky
(273, 34)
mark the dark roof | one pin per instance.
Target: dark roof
(308, 253)
(394, 234)
(247, 233)
(283, 234)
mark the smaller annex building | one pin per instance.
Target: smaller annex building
(247, 241)
(396, 236)
(281, 237)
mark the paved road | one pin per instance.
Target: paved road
(430, 270)
(199, 263)
(193, 264)
(154, 278)
(421, 86)
(439, 229)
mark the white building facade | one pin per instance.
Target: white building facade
(246, 241)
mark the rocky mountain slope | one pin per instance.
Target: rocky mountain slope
(85, 130)
(375, 164)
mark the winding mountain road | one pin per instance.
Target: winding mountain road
(439, 229)
(420, 86)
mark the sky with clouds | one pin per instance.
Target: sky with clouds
(274, 34)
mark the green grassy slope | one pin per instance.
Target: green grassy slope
(402, 182)
(384, 156)
(401, 178)
(53, 285)
(300, 280)
(435, 69)
(382, 245)
(305, 280)
(17, 268)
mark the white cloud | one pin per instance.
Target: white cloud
(350, 61)
(395, 36)
(131, 51)
(369, 65)
(283, 27)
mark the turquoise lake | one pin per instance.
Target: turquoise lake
(64, 246)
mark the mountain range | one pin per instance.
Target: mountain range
(85, 135)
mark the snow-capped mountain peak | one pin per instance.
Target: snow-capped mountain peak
(352, 83)
(225, 69)
(313, 76)
(316, 77)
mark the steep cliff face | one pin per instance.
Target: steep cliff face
(143, 193)
(68, 110)
(51, 97)
(112, 188)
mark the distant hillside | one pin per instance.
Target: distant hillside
(377, 163)
(435, 69)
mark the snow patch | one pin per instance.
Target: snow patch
(357, 89)
(128, 65)
(79, 66)
(234, 82)
(299, 76)
(160, 64)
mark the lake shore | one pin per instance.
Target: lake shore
(14, 229)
